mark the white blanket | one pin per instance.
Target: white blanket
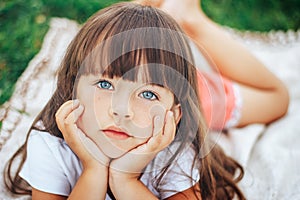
(270, 154)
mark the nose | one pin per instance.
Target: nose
(121, 111)
(121, 103)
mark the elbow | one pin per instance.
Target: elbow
(284, 101)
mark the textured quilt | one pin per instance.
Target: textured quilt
(270, 154)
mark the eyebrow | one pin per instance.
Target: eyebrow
(155, 85)
(101, 76)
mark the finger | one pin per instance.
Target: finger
(157, 133)
(64, 110)
(72, 117)
(70, 122)
(69, 128)
(162, 139)
(93, 149)
(67, 117)
(158, 124)
(67, 107)
(169, 129)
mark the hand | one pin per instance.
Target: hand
(131, 164)
(178, 9)
(154, 3)
(66, 118)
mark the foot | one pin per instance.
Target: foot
(187, 13)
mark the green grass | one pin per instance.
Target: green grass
(257, 15)
(23, 25)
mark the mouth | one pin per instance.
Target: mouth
(115, 133)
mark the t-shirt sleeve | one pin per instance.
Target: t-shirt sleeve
(181, 174)
(218, 99)
(41, 169)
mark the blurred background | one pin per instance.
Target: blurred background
(23, 24)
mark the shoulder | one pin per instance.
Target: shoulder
(169, 173)
(41, 138)
(44, 145)
(176, 158)
(41, 146)
(50, 165)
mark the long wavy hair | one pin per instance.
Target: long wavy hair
(114, 41)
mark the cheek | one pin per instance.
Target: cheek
(144, 114)
(101, 106)
(88, 117)
(87, 121)
(149, 109)
(94, 111)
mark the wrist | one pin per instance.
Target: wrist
(115, 174)
(128, 186)
(117, 179)
(96, 162)
(95, 166)
(92, 184)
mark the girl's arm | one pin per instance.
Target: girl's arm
(192, 193)
(40, 195)
(129, 187)
(137, 190)
(92, 183)
(265, 97)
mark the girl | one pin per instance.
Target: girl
(250, 93)
(132, 75)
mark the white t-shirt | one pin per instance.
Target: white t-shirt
(52, 167)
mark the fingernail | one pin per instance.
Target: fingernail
(76, 102)
(81, 107)
(157, 118)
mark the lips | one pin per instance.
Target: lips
(115, 133)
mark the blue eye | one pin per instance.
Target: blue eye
(149, 95)
(105, 85)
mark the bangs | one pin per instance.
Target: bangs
(151, 49)
(138, 43)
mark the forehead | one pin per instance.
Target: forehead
(136, 46)
(141, 74)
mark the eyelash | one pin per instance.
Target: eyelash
(98, 84)
(149, 91)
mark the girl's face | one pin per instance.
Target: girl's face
(119, 114)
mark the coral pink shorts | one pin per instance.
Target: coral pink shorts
(220, 100)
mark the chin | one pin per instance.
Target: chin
(114, 152)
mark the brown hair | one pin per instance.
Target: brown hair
(156, 40)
